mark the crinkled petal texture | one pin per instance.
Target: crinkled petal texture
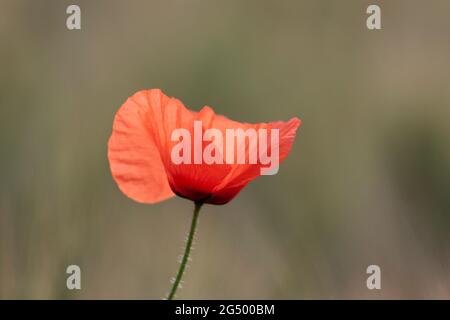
(141, 144)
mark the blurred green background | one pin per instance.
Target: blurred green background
(367, 181)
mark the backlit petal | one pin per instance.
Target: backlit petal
(133, 154)
(241, 175)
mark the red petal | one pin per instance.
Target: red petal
(241, 175)
(219, 183)
(133, 155)
(197, 181)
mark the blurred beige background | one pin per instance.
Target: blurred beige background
(367, 182)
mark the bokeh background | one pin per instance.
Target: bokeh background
(367, 182)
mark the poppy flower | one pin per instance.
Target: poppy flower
(158, 149)
(140, 151)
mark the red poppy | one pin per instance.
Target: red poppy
(140, 150)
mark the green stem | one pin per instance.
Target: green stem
(187, 250)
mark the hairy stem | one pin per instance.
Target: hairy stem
(187, 250)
